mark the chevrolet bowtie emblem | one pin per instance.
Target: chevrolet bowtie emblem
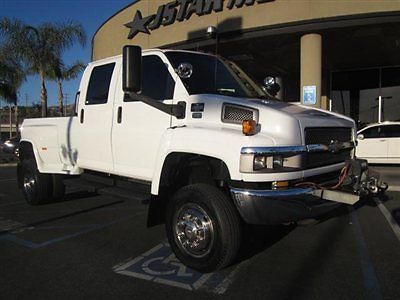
(335, 146)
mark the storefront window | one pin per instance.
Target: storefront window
(390, 94)
(356, 94)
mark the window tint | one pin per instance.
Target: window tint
(212, 76)
(390, 131)
(157, 82)
(371, 133)
(99, 84)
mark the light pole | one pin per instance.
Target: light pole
(212, 33)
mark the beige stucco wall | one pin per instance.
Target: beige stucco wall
(110, 37)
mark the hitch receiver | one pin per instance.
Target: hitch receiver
(361, 179)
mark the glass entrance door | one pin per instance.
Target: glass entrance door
(367, 96)
(356, 94)
(390, 94)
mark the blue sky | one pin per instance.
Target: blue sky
(91, 13)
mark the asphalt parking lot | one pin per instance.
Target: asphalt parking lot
(90, 245)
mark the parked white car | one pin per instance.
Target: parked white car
(379, 143)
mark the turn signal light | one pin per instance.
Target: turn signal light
(280, 184)
(249, 127)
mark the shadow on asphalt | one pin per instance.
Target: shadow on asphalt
(71, 197)
(257, 238)
(396, 215)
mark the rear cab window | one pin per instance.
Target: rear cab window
(99, 84)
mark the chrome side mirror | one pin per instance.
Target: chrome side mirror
(271, 86)
(360, 137)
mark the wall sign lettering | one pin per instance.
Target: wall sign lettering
(181, 10)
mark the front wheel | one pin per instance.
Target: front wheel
(203, 227)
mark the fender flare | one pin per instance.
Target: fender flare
(185, 139)
(35, 151)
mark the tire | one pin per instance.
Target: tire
(36, 186)
(203, 210)
(58, 186)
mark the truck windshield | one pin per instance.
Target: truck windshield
(212, 75)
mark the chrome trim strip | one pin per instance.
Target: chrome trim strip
(293, 150)
(287, 193)
(274, 150)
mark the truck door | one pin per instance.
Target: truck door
(392, 134)
(95, 113)
(138, 127)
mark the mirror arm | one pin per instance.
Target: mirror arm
(176, 110)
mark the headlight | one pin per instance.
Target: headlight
(261, 162)
(277, 162)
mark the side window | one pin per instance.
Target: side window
(157, 82)
(99, 84)
(371, 133)
(390, 131)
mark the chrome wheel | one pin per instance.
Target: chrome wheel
(193, 230)
(29, 185)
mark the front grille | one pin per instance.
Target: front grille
(237, 114)
(324, 135)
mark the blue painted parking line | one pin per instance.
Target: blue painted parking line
(371, 283)
(32, 245)
(160, 265)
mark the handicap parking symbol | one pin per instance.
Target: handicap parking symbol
(160, 265)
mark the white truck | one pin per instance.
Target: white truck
(213, 147)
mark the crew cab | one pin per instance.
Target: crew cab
(214, 147)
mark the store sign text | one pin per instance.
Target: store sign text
(181, 10)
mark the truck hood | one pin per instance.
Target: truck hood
(282, 122)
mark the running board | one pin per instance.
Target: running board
(107, 185)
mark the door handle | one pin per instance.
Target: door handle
(82, 115)
(382, 140)
(119, 117)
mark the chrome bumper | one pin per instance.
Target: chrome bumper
(273, 207)
(243, 194)
(334, 147)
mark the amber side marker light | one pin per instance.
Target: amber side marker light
(280, 184)
(249, 127)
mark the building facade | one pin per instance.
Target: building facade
(340, 55)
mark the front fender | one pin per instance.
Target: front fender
(220, 143)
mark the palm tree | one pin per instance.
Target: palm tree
(12, 75)
(60, 73)
(40, 46)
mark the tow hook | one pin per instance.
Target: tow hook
(355, 180)
(361, 179)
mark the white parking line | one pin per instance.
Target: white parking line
(7, 225)
(224, 285)
(9, 179)
(388, 216)
(394, 188)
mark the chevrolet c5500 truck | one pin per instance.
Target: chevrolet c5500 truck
(215, 149)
